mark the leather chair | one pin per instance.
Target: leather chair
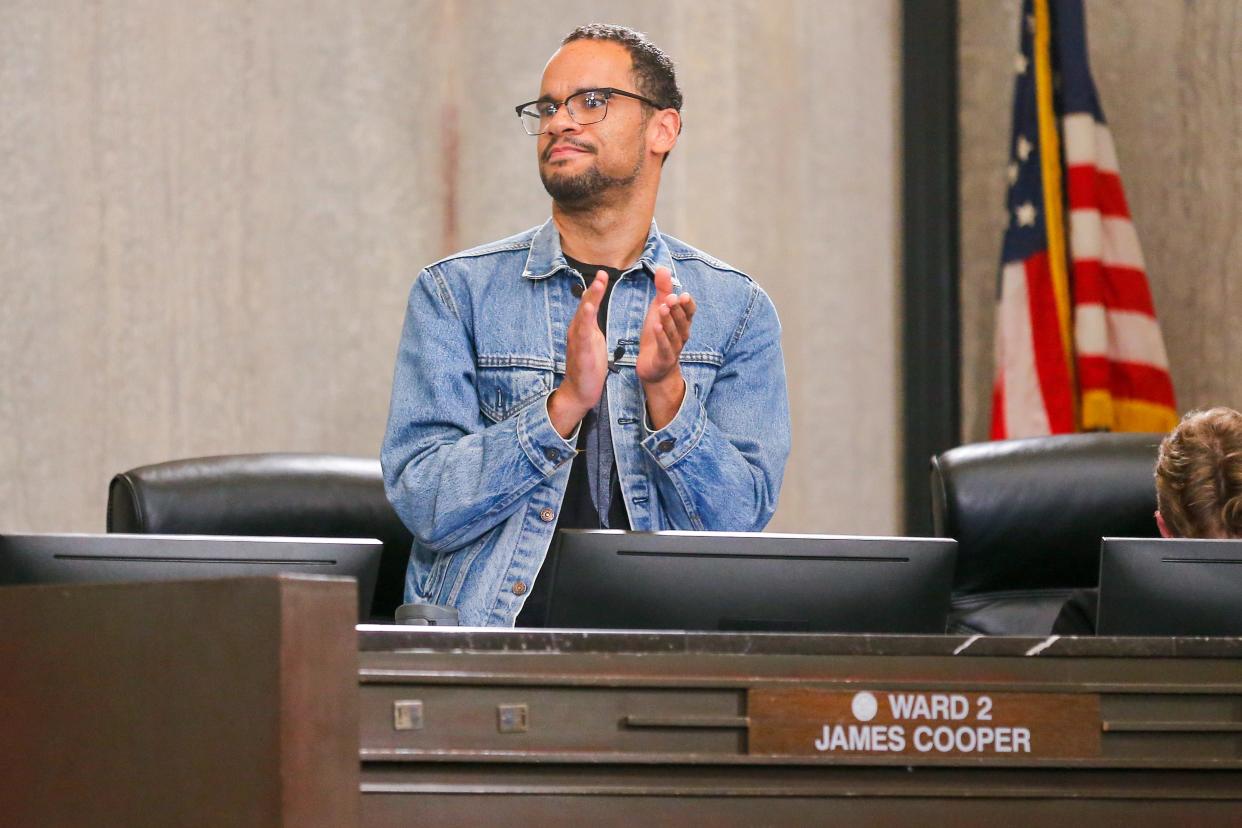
(291, 495)
(1028, 516)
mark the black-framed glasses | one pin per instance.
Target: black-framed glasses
(586, 107)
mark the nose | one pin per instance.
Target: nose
(562, 123)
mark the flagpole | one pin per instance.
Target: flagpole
(1050, 164)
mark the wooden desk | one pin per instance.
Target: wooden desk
(196, 703)
(526, 727)
(241, 702)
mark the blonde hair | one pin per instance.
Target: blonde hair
(1199, 475)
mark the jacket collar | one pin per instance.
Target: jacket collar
(546, 258)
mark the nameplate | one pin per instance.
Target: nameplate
(928, 725)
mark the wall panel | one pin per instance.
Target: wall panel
(210, 215)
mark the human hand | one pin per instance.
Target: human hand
(586, 362)
(665, 332)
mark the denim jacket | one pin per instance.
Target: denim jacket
(472, 463)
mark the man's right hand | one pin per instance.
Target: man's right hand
(586, 362)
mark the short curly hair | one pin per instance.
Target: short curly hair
(653, 69)
(1199, 475)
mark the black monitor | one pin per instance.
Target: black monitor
(60, 559)
(1170, 586)
(608, 579)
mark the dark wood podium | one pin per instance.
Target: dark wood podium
(256, 702)
(196, 703)
(560, 727)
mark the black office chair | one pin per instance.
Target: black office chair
(292, 495)
(1028, 516)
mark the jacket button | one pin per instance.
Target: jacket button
(546, 514)
(552, 454)
(664, 445)
(519, 588)
(576, 290)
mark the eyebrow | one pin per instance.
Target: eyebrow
(549, 99)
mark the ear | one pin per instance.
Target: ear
(1162, 526)
(662, 131)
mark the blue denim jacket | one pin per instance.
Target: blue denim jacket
(472, 463)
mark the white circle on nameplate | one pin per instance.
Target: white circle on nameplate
(864, 706)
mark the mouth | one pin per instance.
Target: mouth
(564, 150)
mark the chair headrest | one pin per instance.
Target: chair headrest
(294, 495)
(1029, 514)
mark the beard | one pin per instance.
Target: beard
(585, 190)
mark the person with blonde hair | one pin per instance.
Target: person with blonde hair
(1198, 494)
(1199, 476)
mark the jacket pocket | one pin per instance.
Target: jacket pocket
(506, 389)
(699, 369)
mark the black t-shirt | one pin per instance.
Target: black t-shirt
(578, 510)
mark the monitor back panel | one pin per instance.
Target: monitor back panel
(1153, 586)
(753, 582)
(81, 558)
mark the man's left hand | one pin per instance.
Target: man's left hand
(665, 332)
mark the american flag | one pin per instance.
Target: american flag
(1077, 344)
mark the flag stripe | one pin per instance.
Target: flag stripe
(1120, 335)
(1090, 189)
(1088, 142)
(998, 430)
(1122, 288)
(1111, 240)
(1023, 402)
(1128, 380)
(1049, 350)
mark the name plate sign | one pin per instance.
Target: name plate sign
(928, 725)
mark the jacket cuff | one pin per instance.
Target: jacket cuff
(544, 446)
(669, 444)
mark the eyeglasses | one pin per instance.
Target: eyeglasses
(586, 107)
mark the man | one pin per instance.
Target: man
(1198, 495)
(592, 372)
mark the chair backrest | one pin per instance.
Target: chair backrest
(1028, 515)
(293, 495)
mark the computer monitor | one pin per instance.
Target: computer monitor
(78, 558)
(608, 579)
(1170, 586)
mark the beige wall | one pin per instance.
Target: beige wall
(210, 214)
(1170, 79)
